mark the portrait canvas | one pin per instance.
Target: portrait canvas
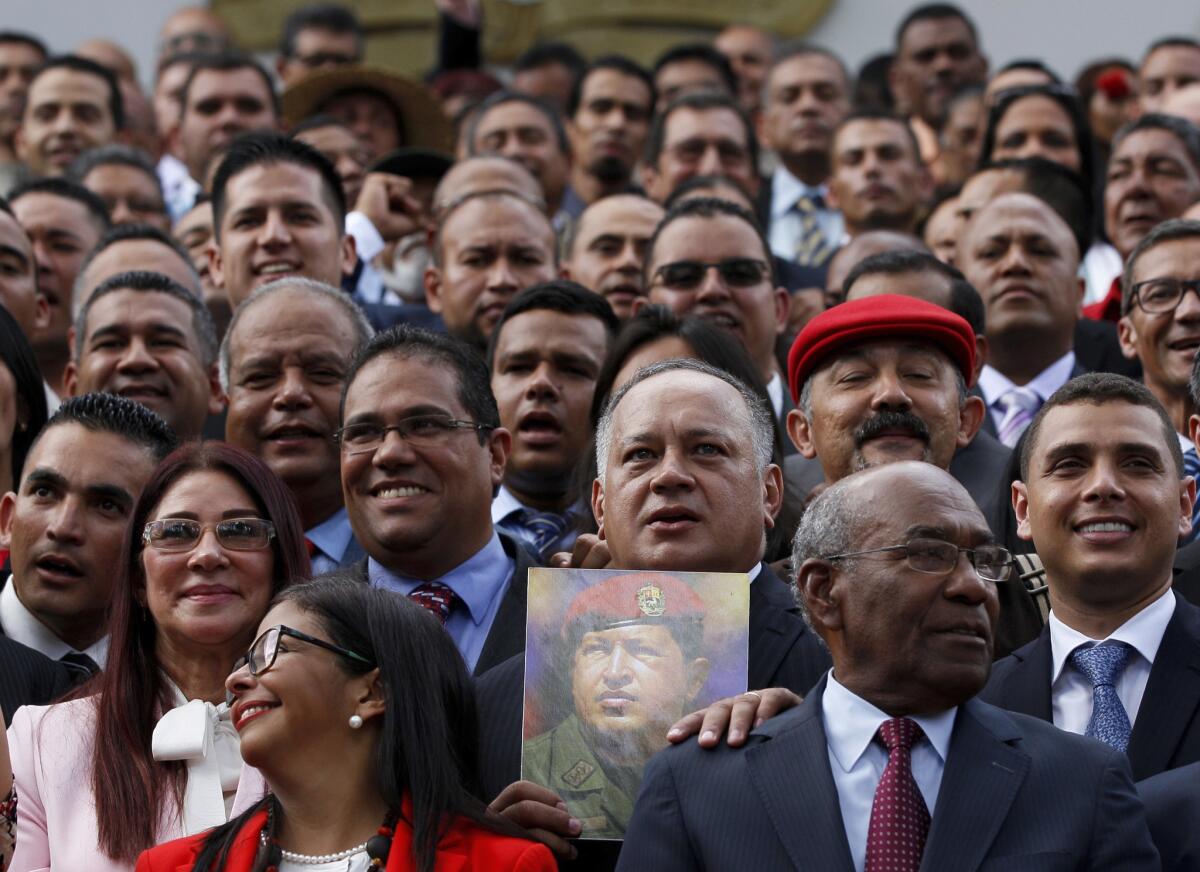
(613, 658)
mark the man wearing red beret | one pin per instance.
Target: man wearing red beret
(634, 643)
(883, 379)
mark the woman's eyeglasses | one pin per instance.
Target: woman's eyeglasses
(182, 534)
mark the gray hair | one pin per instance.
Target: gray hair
(826, 528)
(758, 419)
(363, 331)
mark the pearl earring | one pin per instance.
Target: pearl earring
(355, 722)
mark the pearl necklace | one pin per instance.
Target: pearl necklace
(317, 859)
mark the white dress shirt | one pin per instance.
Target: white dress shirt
(1071, 691)
(775, 392)
(994, 384)
(857, 762)
(22, 626)
(784, 229)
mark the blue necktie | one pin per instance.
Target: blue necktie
(1103, 665)
(539, 530)
(1191, 466)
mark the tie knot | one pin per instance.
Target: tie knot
(1102, 664)
(1020, 398)
(809, 202)
(434, 597)
(899, 733)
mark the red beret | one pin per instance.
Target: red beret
(635, 598)
(869, 319)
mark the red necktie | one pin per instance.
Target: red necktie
(436, 598)
(899, 818)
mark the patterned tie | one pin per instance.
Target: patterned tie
(812, 248)
(436, 597)
(899, 818)
(80, 664)
(1103, 665)
(1191, 466)
(1019, 405)
(538, 530)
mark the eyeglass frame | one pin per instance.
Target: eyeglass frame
(454, 424)
(763, 275)
(908, 557)
(147, 542)
(284, 630)
(1135, 297)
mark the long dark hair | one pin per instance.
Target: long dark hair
(17, 356)
(427, 744)
(129, 786)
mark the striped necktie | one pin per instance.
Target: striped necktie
(1191, 466)
(812, 248)
(436, 598)
(1019, 405)
(539, 530)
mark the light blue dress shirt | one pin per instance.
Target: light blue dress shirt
(858, 762)
(784, 229)
(481, 583)
(331, 537)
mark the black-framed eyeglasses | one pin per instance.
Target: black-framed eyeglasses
(182, 534)
(1159, 296)
(265, 649)
(735, 272)
(426, 430)
(933, 556)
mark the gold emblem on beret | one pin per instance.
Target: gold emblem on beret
(578, 773)
(652, 601)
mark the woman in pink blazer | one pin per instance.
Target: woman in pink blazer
(357, 708)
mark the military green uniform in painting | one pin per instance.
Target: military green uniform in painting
(562, 760)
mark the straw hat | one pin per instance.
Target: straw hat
(425, 125)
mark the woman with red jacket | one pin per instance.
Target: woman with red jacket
(359, 712)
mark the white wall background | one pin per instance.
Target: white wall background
(1065, 33)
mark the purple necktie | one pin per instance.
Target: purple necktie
(899, 818)
(436, 598)
(1020, 406)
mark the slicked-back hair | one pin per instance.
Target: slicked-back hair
(557, 295)
(124, 233)
(499, 98)
(109, 413)
(1098, 389)
(617, 63)
(114, 154)
(16, 355)
(270, 148)
(965, 301)
(226, 62)
(708, 208)
(705, 54)
(363, 331)
(934, 12)
(145, 282)
(1185, 131)
(439, 349)
(8, 37)
(67, 190)
(697, 101)
(1168, 231)
(75, 63)
(333, 17)
(759, 420)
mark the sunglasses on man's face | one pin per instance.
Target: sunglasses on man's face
(735, 272)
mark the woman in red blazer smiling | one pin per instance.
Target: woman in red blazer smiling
(359, 712)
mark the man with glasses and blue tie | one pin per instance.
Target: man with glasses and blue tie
(422, 451)
(1104, 497)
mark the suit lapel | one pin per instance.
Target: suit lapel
(1026, 688)
(979, 784)
(771, 634)
(1172, 694)
(507, 634)
(814, 834)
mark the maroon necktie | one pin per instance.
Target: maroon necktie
(436, 597)
(311, 546)
(899, 818)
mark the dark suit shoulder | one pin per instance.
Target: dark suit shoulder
(28, 677)
(1187, 572)
(1172, 802)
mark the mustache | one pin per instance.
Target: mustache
(878, 424)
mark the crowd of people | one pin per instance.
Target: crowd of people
(303, 369)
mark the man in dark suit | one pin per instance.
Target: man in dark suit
(884, 378)
(890, 762)
(1172, 801)
(421, 452)
(685, 484)
(1104, 498)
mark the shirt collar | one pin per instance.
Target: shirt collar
(332, 536)
(504, 505)
(477, 581)
(21, 625)
(1143, 632)
(851, 724)
(786, 189)
(994, 384)
(1185, 444)
(775, 392)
